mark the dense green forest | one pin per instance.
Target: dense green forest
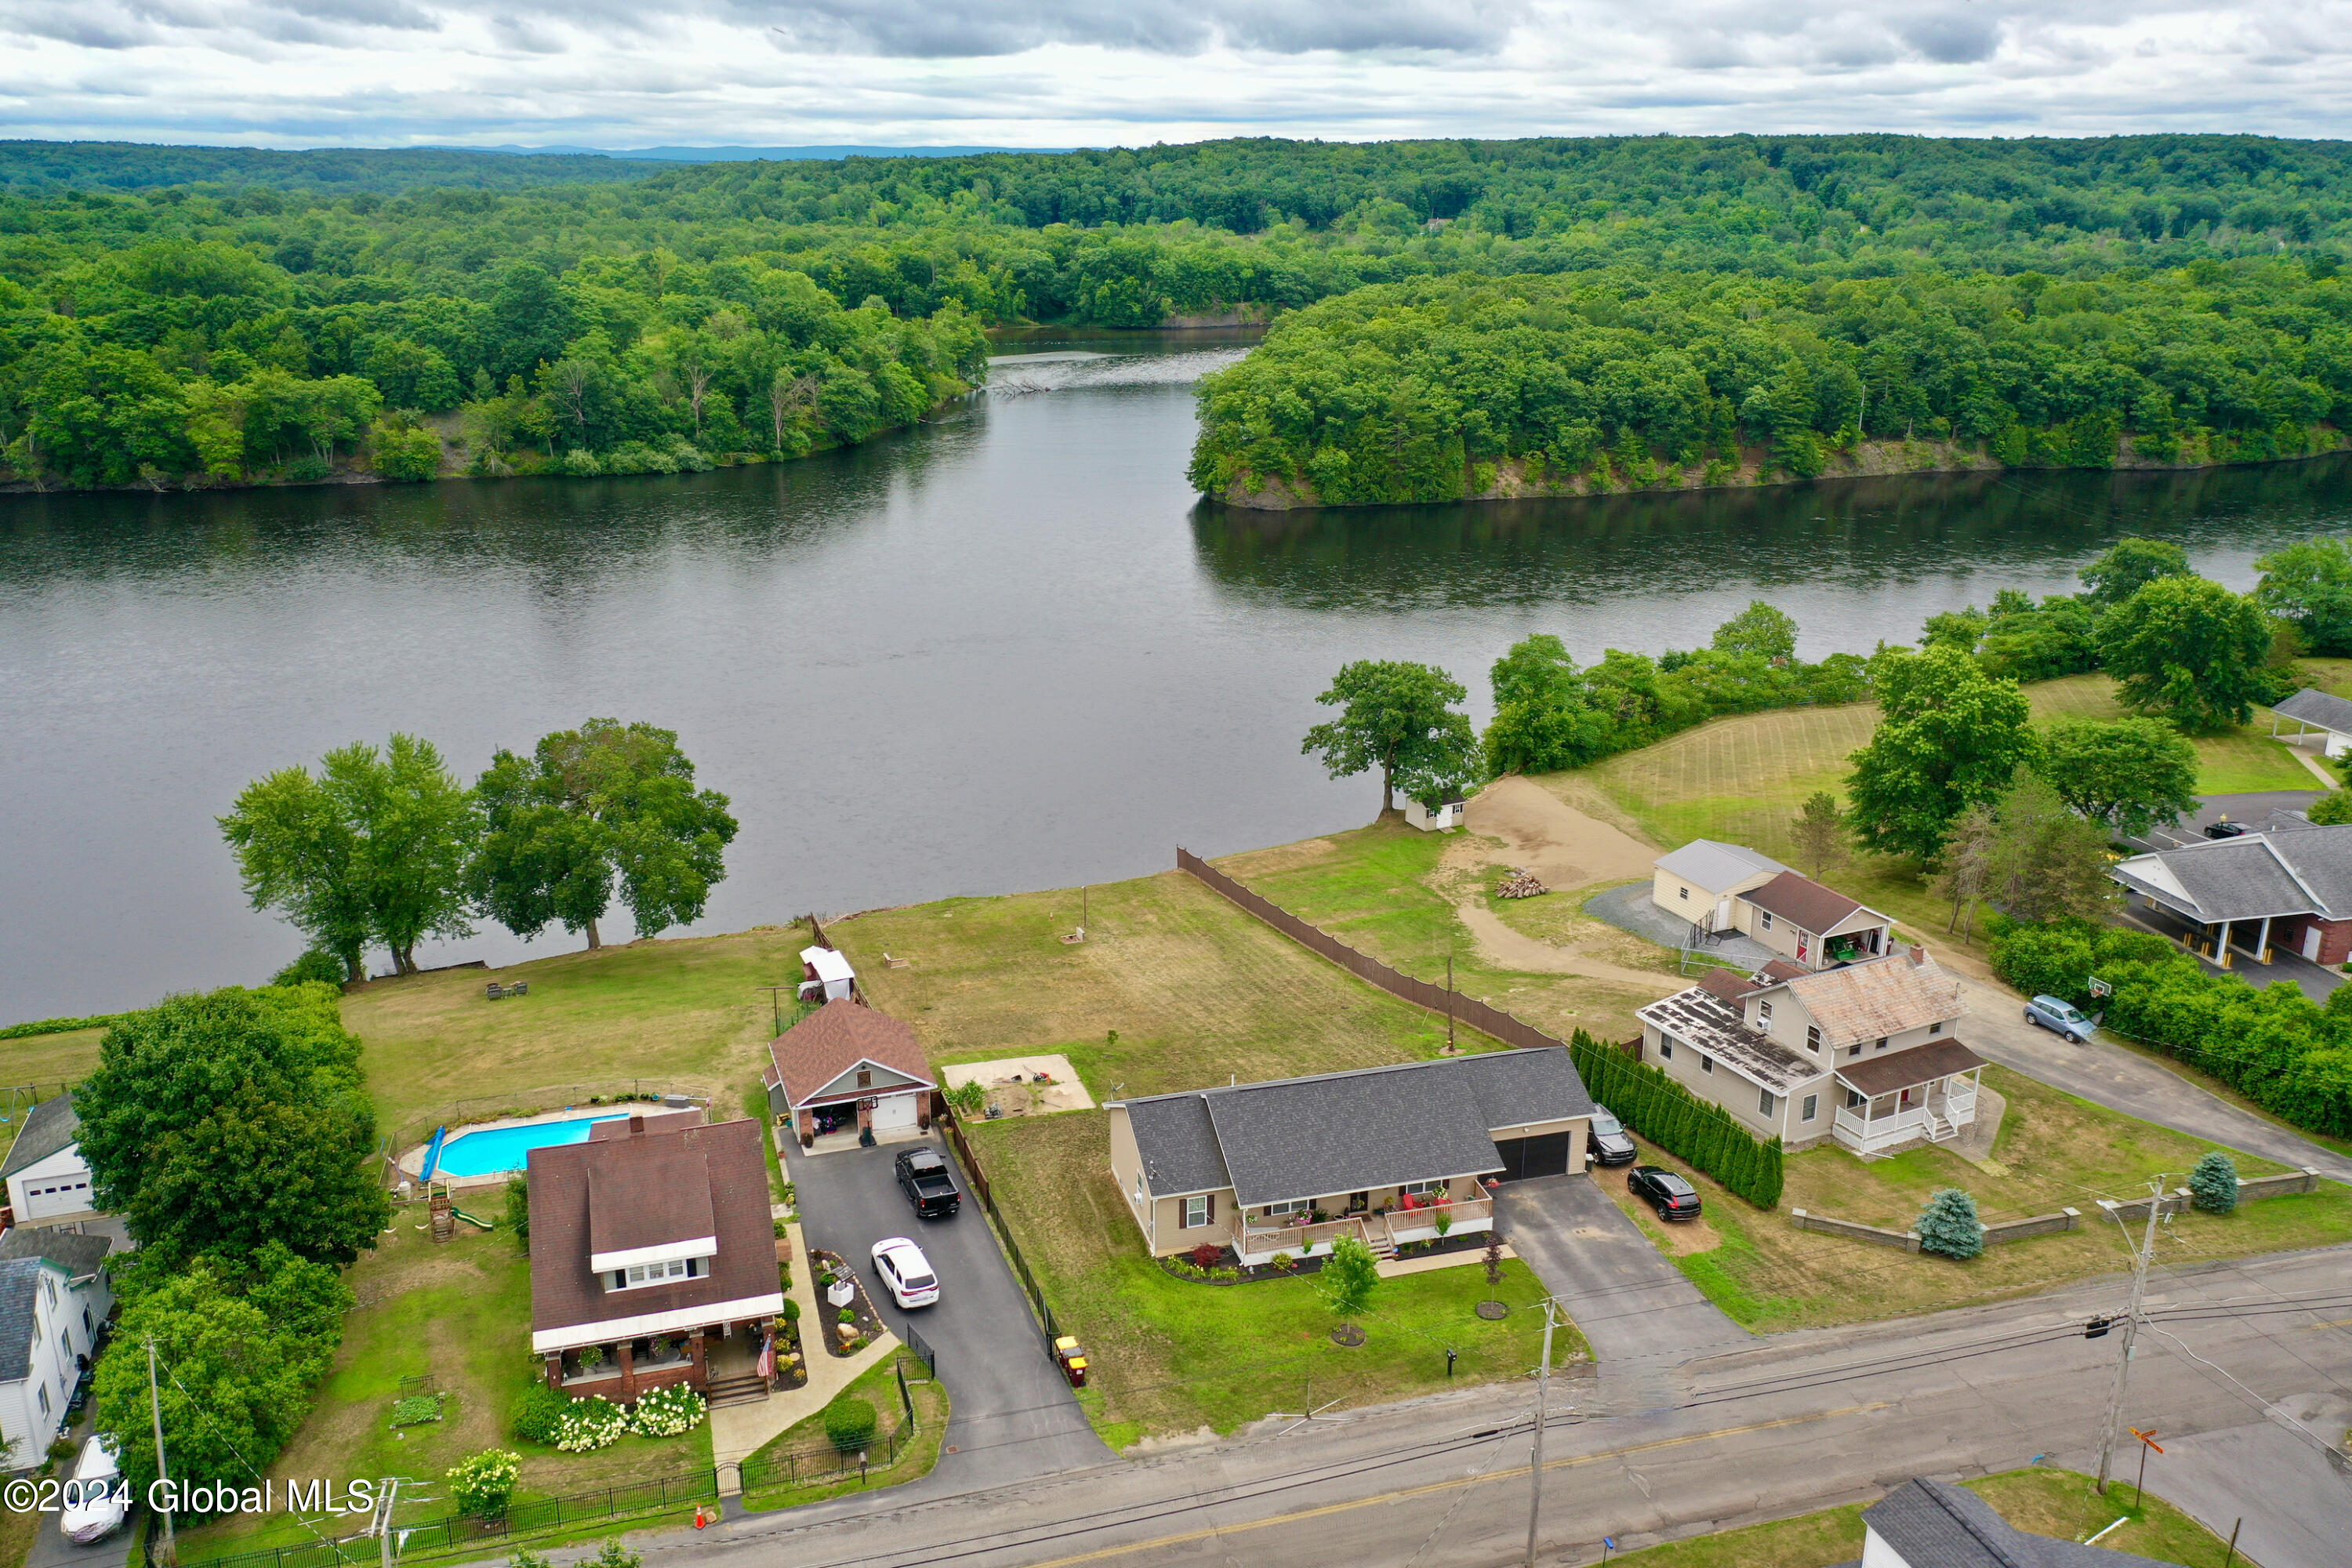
(217, 314)
(1440, 388)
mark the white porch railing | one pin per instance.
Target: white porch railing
(1867, 1135)
(1259, 1244)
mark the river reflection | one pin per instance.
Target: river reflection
(1007, 649)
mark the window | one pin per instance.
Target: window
(1422, 1189)
(1933, 1030)
(1682, 893)
(1138, 1189)
(1854, 1049)
(1288, 1206)
(1882, 1044)
(1764, 1102)
(1764, 1013)
(1665, 1049)
(45, 1399)
(1705, 1062)
(1812, 1104)
(639, 1275)
(865, 1078)
(1813, 1038)
(1198, 1210)
(1768, 919)
(1854, 1101)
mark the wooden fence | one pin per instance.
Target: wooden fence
(1485, 1018)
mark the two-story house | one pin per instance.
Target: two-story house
(54, 1295)
(1866, 1053)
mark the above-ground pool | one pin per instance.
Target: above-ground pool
(495, 1148)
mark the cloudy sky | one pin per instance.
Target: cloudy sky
(625, 73)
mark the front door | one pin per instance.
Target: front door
(1359, 1202)
(2311, 942)
(1723, 915)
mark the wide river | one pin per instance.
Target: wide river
(1009, 649)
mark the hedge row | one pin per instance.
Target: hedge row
(1694, 1130)
(58, 1025)
(2286, 1053)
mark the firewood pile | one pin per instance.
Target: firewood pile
(1521, 885)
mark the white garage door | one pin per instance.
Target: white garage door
(893, 1110)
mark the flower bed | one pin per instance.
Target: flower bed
(860, 1315)
(1228, 1270)
(596, 1422)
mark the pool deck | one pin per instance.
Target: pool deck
(411, 1163)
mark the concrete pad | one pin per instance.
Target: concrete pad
(1391, 1268)
(1065, 1092)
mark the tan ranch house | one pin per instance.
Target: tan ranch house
(1865, 1053)
(1380, 1153)
(1730, 889)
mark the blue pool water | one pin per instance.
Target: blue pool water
(508, 1148)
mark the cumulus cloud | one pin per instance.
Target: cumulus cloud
(622, 73)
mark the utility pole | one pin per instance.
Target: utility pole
(383, 1532)
(156, 1405)
(2131, 1330)
(1534, 1464)
(776, 1001)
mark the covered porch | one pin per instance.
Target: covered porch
(711, 1359)
(1397, 1219)
(1926, 1092)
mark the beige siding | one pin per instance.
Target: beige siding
(1175, 1238)
(1126, 1163)
(1738, 1095)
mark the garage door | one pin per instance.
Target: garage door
(1544, 1155)
(893, 1111)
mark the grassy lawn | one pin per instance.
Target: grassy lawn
(1391, 891)
(1195, 989)
(1170, 1356)
(1742, 779)
(879, 1384)
(2057, 1503)
(685, 1014)
(461, 1311)
(2054, 1151)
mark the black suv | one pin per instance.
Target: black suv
(1611, 1144)
(1672, 1198)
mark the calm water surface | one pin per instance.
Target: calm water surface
(1006, 650)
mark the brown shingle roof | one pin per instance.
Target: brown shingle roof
(1901, 1069)
(1803, 902)
(652, 1121)
(647, 1169)
(647, 1197)
(836, 1039)
(1880, 996)
(1723, 982)
(1784, 969)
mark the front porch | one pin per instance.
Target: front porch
(1926, 1093)
(1381, 1230)
(718, 1360)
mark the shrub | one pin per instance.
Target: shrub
(968, 1100)
(2213, 1184)
(590, 1423)
(1206, 1255)
(1283, 1260)
(792, 1311)
(406, 454)
(1445, 1221)
(1658, 1108)
(519, 1210)
(537, 1410)
(849, 1314)
(667, 1412)
(313, 965)
(482, 1484)
(613, 1555)
(1950, 1226)
(849, 1424)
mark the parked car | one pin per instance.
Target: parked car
(1672, 1198)
(2060, 1017)
(2225, 828)
(905, 1272)
(928, 1184)
(96, 1500)
(1611, 1144)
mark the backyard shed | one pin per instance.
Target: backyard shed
(825, 974)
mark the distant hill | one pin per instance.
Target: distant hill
(35, 167)
(755, 154)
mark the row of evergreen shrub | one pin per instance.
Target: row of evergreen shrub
(1698, 1133)
(2286, 1053)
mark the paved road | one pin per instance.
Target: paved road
(2280, 1460)
(1014, 1416)
(1640, 1313)
(1801, 1422)
(2211, 809)
(2114, 1077)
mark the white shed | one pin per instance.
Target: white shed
(826, 974)
(1447, 814)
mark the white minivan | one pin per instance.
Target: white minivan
(96, 1500)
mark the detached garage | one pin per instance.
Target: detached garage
(846, 1076)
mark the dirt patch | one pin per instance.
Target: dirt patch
(1024, 1086)
(1543, 834)
(1680, 1240)
(1508, 949)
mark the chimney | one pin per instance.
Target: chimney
(1919, 954)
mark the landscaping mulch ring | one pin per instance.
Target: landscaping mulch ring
(1181, 1265)
(863, 1317)
(1493, 1311)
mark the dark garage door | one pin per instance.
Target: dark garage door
(1544, 1155)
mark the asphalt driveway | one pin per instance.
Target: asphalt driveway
(1014, 1417)
(1630, 1299)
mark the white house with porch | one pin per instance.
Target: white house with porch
(1391, 1155)
(1866, 1053)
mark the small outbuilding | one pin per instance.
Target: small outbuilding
(2312, 709)
(825, 974)
(1435, 816)
(47, 1181)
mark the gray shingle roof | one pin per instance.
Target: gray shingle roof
(20, 1286)
(78, 1255)
(1350, 1131)
(1701, 1019)
(2312, 705)
(2250, 877)
(1710, 864)
(1933, 1524)
(48, 1126)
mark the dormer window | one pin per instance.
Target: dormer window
(1936, 1028)
(637, 1276)
(865, 1078)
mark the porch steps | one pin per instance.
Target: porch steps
(1936, 1128)
(1383, 1248)
(749, 1389)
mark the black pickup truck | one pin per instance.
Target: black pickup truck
(929, 1185)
